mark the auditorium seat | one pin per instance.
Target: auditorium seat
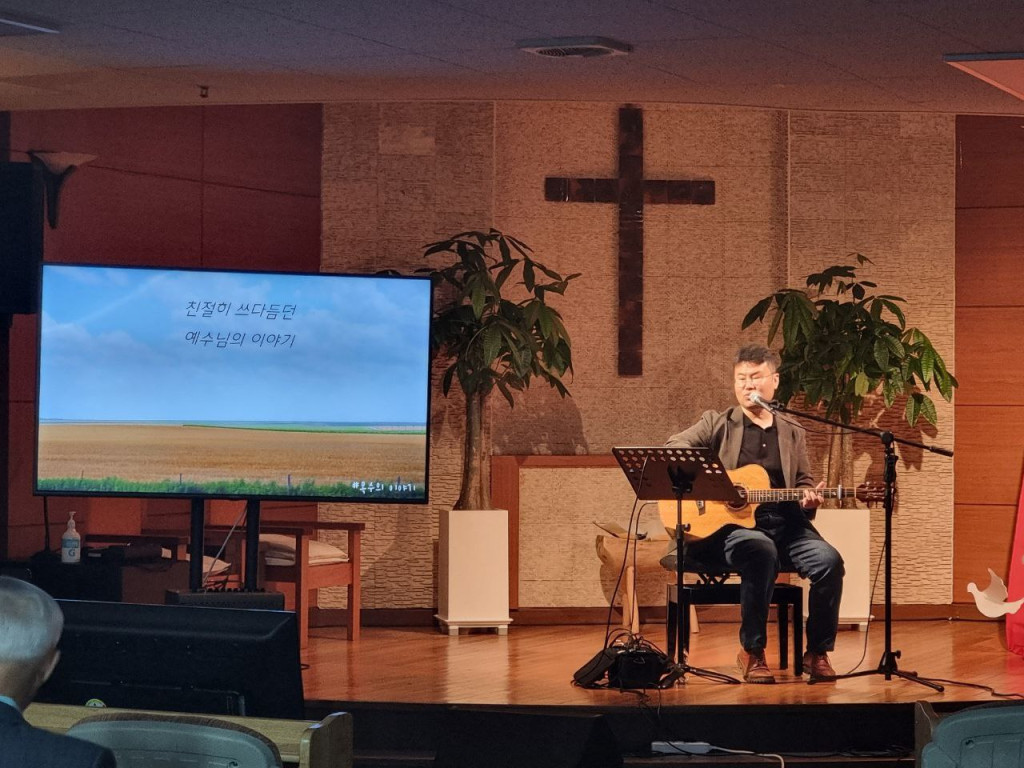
(177, 741)
(982, 736)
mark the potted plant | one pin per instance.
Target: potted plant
(496, 328)
(841, 344)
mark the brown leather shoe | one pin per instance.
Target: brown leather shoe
(817, 666)
(753, 667)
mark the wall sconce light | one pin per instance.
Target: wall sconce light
(56, 167)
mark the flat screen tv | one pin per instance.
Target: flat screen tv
(228, 384)
(175, 658)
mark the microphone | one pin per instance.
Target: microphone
(756, 399)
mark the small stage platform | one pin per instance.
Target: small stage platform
(400, 684)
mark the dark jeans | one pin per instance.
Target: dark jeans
(758, 554)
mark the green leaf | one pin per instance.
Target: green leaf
(757, 312)
(503, 249)
(861, 384)
(544, 318)
(519, 245)
(895, 309)
(444, 245)
(881, 352)
(911, 411)
(503, 388)
(895, 346)
(945, 386)
(528, 279)
(840, 343)
(774, 327)
(889, 393)
(477, 299)
(446, 381)
(492, 338)
(928, 410)
(503, 274)
(927, 364)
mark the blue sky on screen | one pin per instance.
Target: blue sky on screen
(133, 344)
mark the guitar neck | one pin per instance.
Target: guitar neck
(755, 496)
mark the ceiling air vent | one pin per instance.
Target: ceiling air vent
(580, 47)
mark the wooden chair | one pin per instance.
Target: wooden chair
(298, 580)
(643, 556)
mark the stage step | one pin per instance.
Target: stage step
(829, 736)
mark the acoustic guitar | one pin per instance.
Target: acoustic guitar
(706, 517)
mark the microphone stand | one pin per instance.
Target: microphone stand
(887, 665)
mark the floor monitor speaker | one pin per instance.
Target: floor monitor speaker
(21, 238)
(504, 739)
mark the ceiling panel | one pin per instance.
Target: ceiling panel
(851, 55)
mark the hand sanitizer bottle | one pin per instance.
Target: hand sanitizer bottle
(71, 543)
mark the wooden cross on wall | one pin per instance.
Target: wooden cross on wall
(631, 191)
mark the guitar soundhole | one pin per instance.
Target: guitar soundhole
(743, 494)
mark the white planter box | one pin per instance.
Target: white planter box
(473, 570)
(849, 531)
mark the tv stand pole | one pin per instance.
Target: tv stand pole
(196, 539)
(197, 536)
(5, 429)
(252, 544)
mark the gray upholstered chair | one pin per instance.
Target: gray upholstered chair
(177, 741)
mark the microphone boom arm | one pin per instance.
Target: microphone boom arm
(775, 405)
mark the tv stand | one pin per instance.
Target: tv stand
(197, 537)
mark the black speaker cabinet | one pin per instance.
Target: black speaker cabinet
(504, 739)
(21, 238)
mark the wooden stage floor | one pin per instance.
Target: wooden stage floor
(406, 686)
(533, 666)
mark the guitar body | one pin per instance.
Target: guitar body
(707, 517)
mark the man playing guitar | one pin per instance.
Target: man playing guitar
(749, 434)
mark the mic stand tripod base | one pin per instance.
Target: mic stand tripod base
(682, 669)
(886, 666)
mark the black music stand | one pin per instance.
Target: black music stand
(691, 474)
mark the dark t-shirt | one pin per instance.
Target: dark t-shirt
(761, 447)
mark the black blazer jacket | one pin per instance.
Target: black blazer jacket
(723, 431)
(24, 746)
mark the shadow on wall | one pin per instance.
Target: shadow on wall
(542, 422)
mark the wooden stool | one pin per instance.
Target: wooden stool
(712, 589)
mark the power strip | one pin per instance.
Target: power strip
(681, 747)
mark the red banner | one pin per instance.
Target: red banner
(1015, 584)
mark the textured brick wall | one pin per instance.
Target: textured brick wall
(795, 191)
(396, 177)
(884, 185)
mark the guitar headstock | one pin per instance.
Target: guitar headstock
(871, 492)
